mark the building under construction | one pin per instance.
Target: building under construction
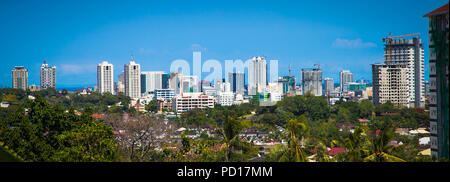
(312, 81)
(390, 83)
(400, 79)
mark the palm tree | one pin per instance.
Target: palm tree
(353, 144)
(294, 152)
(380, 147)
(230, 132)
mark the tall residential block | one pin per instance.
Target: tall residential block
(132, 78)
(105, 77)
(439, 60)
(19, 77)
(237, 81)
(390, 83)
(48, 76)
(345, 76)
(328, 85)
(409, 52)
(152, 80)
(257, 75)
(312, 81)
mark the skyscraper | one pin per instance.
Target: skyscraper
(439, 60)
(345, 76)
(105, 77)
(328, 85)
(257, 75)
(48, 76)
(409, 52)
(312, 81)
(176, 83)
(19, 78)
(132, 78)
(152, 80)
(237, 81)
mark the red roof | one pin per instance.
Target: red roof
(438, 11)
(363, 120)
(98, 116)
(336, 150)
(376, 132)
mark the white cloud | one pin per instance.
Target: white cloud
(356, 43)
(75, 69)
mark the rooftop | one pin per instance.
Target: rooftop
(441, 10)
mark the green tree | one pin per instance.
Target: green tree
(230, 131)
(295, 152)
(151, 107)
(92, 142)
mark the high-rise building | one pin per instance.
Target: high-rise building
(190, 84)
(120, 85)
(132, 78)
(152, 80)
(257, 75)
(176, 83)
(439, 60)
(48, 76)
(105, 77)
(328, 85)
(410, 53)
(237, 81)
(345, 76)
(19, 78)
(390, 83)
(288, 85)
(312, 81)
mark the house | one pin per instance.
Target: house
(346, 126)
(5, 104)
(336, 150)
(98, 116)
(363, 121)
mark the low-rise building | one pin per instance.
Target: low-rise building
(188, 101)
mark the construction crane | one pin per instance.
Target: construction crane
(318, 65)
(388, 41)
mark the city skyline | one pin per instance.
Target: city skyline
(223, 31)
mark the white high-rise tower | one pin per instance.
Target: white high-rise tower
(132, 78)
(105, 77)
(257, 75)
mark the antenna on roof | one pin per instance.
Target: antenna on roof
(44, 61)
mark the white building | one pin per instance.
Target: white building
(345, 76)
(132, 78)
(105, 77)
(328, 85)
(151, 80)
(409, 52)
(225, 98)
(190, 84)
(390, 83)
(165, 94)
(257, 75)
(48, 76)
(189, 101)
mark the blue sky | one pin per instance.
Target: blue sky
(76, 35)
